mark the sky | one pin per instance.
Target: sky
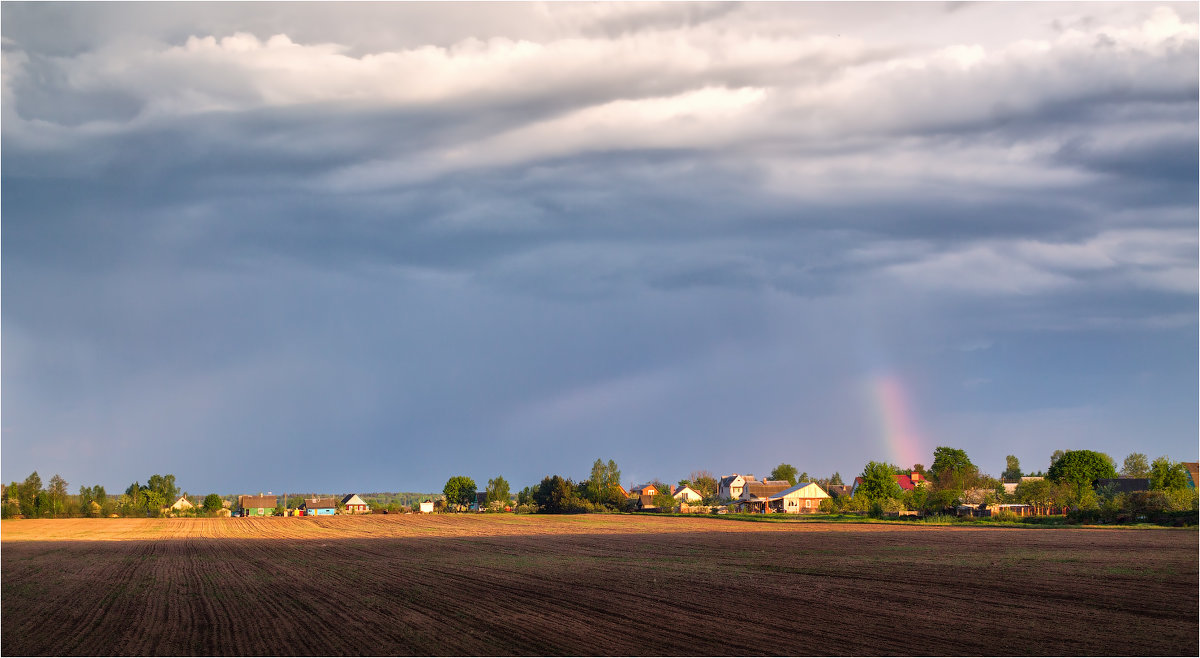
(367, 247)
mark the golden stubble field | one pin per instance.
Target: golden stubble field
(594, 585)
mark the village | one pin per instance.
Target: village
(744, 494)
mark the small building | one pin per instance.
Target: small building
(687, 495)
(644, 490)
(259, 505)
(427, 507)
(839, 490)
(352, 504)
(645, 503)
(804, 498)
(182, 504)
(319, 506)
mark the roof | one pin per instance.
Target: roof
(646, 501)
(320, 503)
(353, 499)
(1193, 470)
(839, 489)
(763, 490)
(799, 487)
(253, 502)
(1124, 485)
(905, 481)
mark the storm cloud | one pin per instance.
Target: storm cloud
(369, 246)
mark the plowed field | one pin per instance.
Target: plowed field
(594, 585)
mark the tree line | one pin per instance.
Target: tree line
(32, 500)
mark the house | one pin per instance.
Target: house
(804, 498)
(182, 504)
(259, 505)
(427, 507)
(687, 495)
(352, 504)
(319, 506)
(645, 503)
(624, 492)
(731, 487)
(480, 503)
(644, 490)
(756, 495)
(839, 490)
(907, 482)
(1123, 485)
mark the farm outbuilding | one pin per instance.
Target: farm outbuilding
(427, 507)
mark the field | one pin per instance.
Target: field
(594, 585)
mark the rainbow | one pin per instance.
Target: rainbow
(895, 418)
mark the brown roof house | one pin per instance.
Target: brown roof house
(755, 494)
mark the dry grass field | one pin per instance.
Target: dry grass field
(595, 585)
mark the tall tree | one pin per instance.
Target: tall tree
(29, 494)
(879, 482)
(459, 491)
(1135, 466)
(212, 502)
(704, 483)
(164, 486)
(1166, 475)
(836, 478)
(554, 494)
(497, 490)
(1012, 471)
(952, 469)
(784, 472)
(1080, 469)
(56, 494)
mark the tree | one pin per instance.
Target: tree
(1041, 494)
(212, 502)
(1135, 466)
(836, 478)
(1080, 469)
(164, 486)
(497, 491)
(459, 491)
(703, 483)
(878, 482)
(1056, 455)
(1166, 475)
(57, 495)
(28, 494)
(952, 469)
(784, 472)
(554, 495)
(1013, 471)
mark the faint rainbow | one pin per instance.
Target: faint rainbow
(896, 424)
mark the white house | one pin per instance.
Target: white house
(804, 498)
(731, 486)
(427, 507)
(687, 495)
(352, 504)
(182, 504)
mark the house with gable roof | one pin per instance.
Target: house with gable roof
(803, 498)
(907, 482)
(319, 506)
(352, 504)
(687, 495)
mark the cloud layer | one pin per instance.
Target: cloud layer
(517, 237)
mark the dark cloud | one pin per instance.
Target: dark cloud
(536, 236)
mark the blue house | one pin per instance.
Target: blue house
(319, 506)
